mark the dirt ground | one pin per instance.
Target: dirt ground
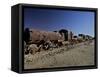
(79, 55)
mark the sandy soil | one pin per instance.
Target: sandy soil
(79, 55)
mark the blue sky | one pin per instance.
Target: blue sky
(51, 20)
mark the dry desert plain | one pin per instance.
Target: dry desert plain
(80, 55)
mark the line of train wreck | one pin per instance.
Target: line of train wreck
(36, 40)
